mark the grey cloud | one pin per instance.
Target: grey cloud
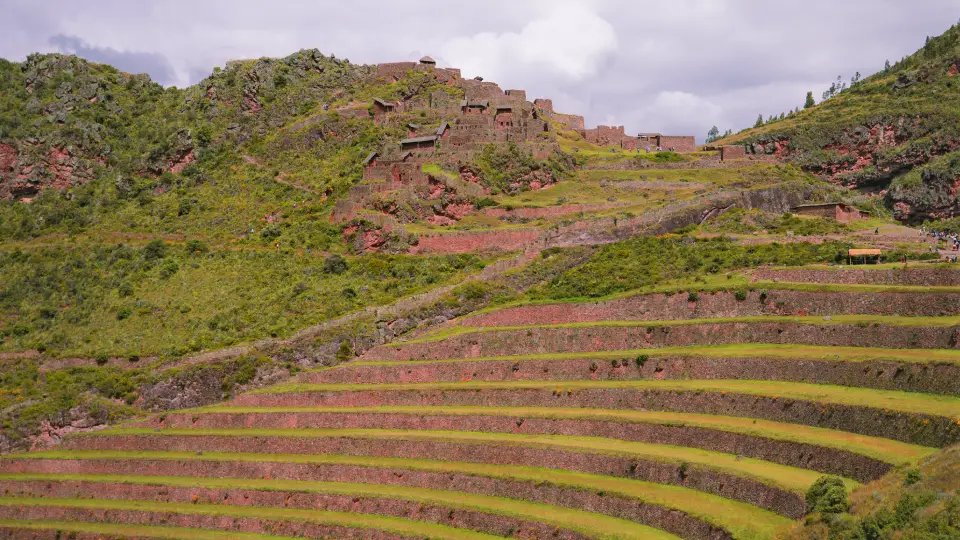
(155, 64)
(679, 66)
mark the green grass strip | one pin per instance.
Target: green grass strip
(886, 320)
(881, 266)
(909, 402)
(590, 524)
(712, 284)
(341, 519)
(773, 474)
(730, 350)
(741, 519)
(138, 531)
(886, 450)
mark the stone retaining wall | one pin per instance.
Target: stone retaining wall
(196, 521)
(553, 211)
(546, 340)
(609, 230)
(743, 489)
(934, 378)
(909, 276)
(807, 456)
(725, 304)
(444, 515)
(39, 534)
(672, 521)
(474, 241)
(914, 428)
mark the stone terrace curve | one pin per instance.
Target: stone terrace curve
(642, 416)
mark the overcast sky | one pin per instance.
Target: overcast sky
(678, 66)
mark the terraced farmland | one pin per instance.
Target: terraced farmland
(649, 415)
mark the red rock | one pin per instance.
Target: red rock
(182, 163)
(8, 158)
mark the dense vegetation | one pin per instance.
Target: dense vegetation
(644, 261)
(740, 221)
(930, 188)
(30, 396)
(916, 503)
(880, 127)
(170, 300)
(509, 169)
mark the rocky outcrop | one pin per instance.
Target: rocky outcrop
(27, 167)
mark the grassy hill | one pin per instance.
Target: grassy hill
(573, 340)
(896, 132)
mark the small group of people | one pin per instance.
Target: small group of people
(952, 239)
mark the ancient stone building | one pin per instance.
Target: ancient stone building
(732, 152)
(442, 129)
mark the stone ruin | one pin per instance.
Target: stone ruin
(459, 129)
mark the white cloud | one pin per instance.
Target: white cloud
(569, 41)
(665, 67)
(674, 112)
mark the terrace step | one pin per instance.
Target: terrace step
(833, 452)
(839, 331)
(769, 485)
(492, 515)
(287, 521)
(764, 298)
(923, 419)
(937, 275)
(682, 511)
(934, 371)
(79, 530)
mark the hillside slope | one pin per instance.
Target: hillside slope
(896, 132)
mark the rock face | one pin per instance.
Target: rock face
(928, 192)
(24, 174)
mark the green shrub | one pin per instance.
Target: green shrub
(334, 264)
(644, 261)
(913, 476)
(740, 295)
(125, 289)
(642, 359)
(827, 495)
(155, 249)
(344, 351)
(270, 232)
(168, 269)
(196, 246)
(471, 291)
(692, 296)
(124, 313)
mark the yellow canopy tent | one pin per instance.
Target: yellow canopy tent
(863, 254)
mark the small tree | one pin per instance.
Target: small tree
(759, 121)
(809, 103)
(886, 67)
(713, 134)
(155, 249)
(334, 264)
(344, 352)
(827, 495)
